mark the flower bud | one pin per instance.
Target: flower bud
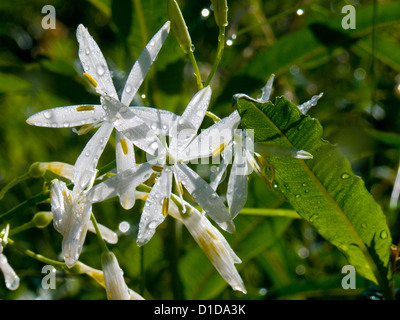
(179, 27)
(220, 12)
(116, 287)
(36, 170)
(42, 219)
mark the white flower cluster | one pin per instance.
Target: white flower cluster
(170, 142)
(167, 163)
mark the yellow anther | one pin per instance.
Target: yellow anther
(90, 79)
(211, 234)
(84, 129)
(219, 149)
(152, 179)
(180, 187)
(86, 107)
(165, 206)
(157, 168)
(124, 146)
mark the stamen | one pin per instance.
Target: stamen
(84, 129)
(219, 149)
(124, 146)
(152, 179)
(86, 107)
(165, 206)
(211, 235)
(180, 187)
(157, 168)
(90, 79)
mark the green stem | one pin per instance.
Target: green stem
(214, 117)
(36, 256)
(102, 243)
(196, 69)
(27, 204)
(13, 183)
(23, 227)
(220, 50)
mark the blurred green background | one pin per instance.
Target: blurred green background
(301, 42)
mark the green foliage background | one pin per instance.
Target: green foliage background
(310, 53)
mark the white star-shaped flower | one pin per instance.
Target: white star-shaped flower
(170, 164)
(106, 117)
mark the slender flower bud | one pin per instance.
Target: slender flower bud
(42, 219)
(220, 12)
(116, 287)
(179, 27)
(11, 278)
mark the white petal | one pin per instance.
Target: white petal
(152, 215)
(212, 139)
(66, 117)
(125, 157)
(58, 192)
(266, 90)
(159, 121)
(190, 121)
(119, 183)
(133, 127)
(310, 103)
(94, 63)
(10, 277)
(237, 185)
(116, 287)
(61, 169)
(204, 195)
(217, 177)
(106, 233)
(85, 165)
(76, 222)
(143, 64)
(217, 249)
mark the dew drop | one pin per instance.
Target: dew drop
(304, 184)
(87, 51)
(12, 283)
(128, 89)
(100, 70)
(47, 114)
(384, 235)
(298, 196)
(363, 225)
(345, 176)
(152, 225)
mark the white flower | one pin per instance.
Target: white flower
(10, 277)
(170, 165)
(210, 240)
(71, 215)
(116, 287)
(105, 116)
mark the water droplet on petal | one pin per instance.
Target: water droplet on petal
(128, 89)
(87, 51)
(345, 176)
(47, 114)
(12, 283)
(100, 70)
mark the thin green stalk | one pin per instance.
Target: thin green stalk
(36, 256)
(13, 183)
(220, 50)
(23, 227)
(102, 243)
(196, 69)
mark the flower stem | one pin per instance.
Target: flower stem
(102, 243)
(13, 183)
(36, 256)
(220, 50)
(196, 69)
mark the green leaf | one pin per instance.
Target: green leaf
(316, 39)
(323, 190)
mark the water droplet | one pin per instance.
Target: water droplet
(153, 224)
(87, 51)
(304, 184)
(128, 89)
(306, 191)
(298, 196)
(12, 283)
(47, 114)
(87, 154)
(384, 235)
(313, 217)
(363, 225)
(345, 176)
(100, 70)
